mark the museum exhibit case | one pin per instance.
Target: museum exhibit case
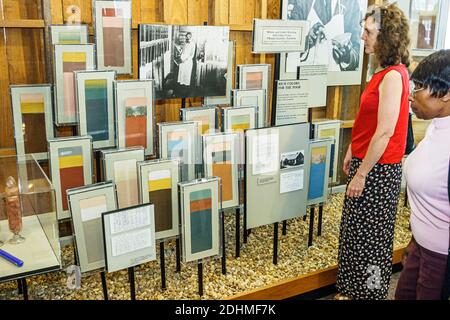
(28, 224)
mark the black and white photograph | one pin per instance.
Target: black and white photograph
(292, 159)
(334, 38)
(184, 61)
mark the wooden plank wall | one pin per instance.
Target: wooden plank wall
(23, 47)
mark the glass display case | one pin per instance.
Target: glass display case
(29, 236)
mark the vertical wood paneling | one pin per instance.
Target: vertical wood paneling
(56, 9)
(197, 12)
(175, 11)
(6, 125)
(85, 10)
(218, 12)
(236, 13)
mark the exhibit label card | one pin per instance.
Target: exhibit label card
(129, 220)
(278, 36)
(292, 101)
(265, 154)
(291, 181)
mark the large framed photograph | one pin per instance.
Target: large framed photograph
(120, 166)
(69, 58)
(70, 161)
(220, 156)
(69, 33)
(336, 23)
(95, 101)
(277, 36)
(330, 129)
(179, 141)
(253, 98)
(135, 114)
(200, 215)
(217, 100)
(86, 205)
(185, 61)
(276, 171)
(32, 117)
(129, 236)
(320, 160)
(158, 184)
(112, 23)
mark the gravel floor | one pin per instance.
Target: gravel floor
(252, 270)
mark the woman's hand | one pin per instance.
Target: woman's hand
(356, 186)
(347, 160)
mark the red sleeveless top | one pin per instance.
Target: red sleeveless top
(367, 118)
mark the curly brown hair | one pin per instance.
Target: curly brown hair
(393, 40)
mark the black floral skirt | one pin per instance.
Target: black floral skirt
(367, 233)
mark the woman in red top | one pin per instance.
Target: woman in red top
(373, 161)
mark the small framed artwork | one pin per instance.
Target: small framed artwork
(112, 22)
(229, 76)
(278, 36)
(158, 181)
(178, 141)
(330, 129)
(250, 98)
(239, 119)
(220, 156)
(135, 114)
(86, 205)
(204, 116)
(254, 76)
(70, 161)
(120, 166)
(32, 117)
(69, 58)
(200, 212)
(95, 101)
(69, 33)
(129, 236)
(320, 153)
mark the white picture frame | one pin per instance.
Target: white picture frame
(69, 33)
(250, 98)
(330, 129)
(93, 121)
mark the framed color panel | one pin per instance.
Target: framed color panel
(199, 203)
(112, 21)
(266, 199)
(69, 34)
(70, 167)
(252, 98)
(204, 116)
(238, 119)
(120, 166)
(330, 129)
(178, 141)
(129, 236)
(158, 180)
(229, 74)
(69, 58)
(86, 207)
(320, 153)
(135, 105)
(220, 158)
(254, 76)
(32, 115)
(95, 100)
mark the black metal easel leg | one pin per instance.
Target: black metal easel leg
(19, 286)
(238, 233)
(132, 283)
(162, 265)
(311, 227)
(178, 255)
(284, 227)
(319, 226)
(104, 287)
(406, 198)
(304, 217)
(224, 249)
(275, 243)
(245, 227)
(24, 288)
(200, 278)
